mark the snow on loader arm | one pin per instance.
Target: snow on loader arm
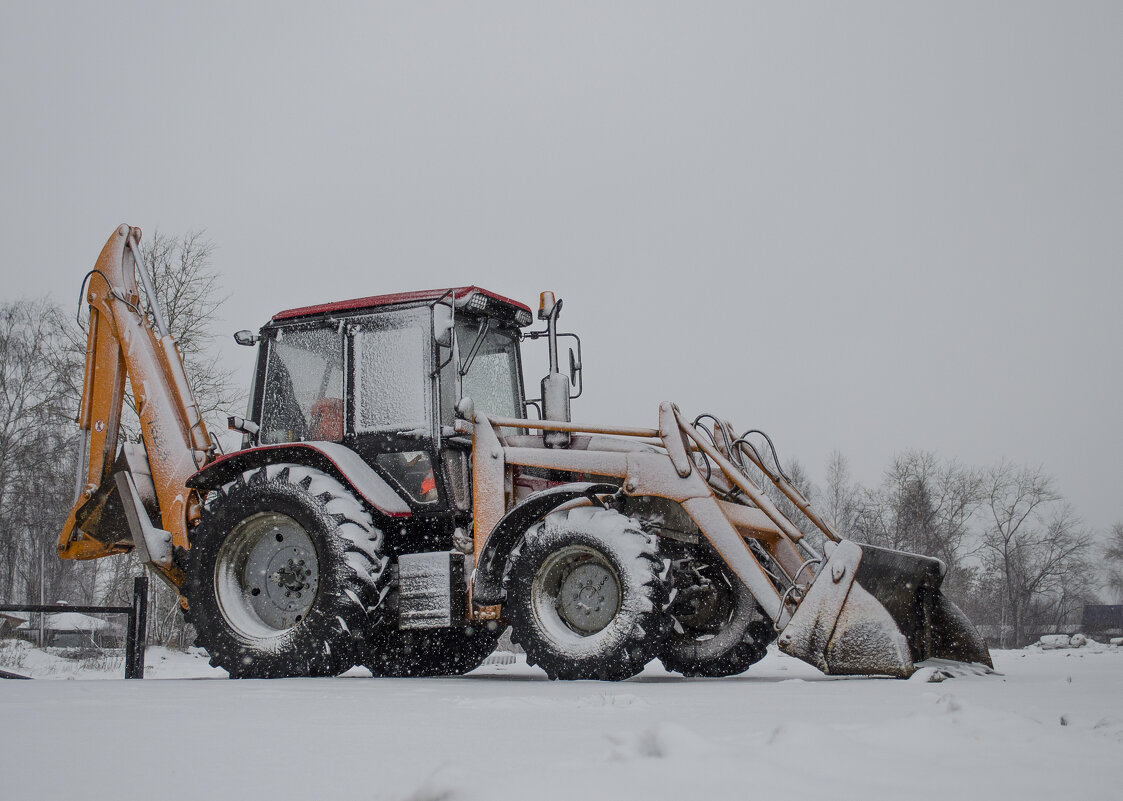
(861, 610)
(866, 610)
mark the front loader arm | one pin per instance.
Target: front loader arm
(121, 342)
(856, 609)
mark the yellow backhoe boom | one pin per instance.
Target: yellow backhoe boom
(120, 498)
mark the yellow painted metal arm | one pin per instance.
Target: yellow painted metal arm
(120, 343)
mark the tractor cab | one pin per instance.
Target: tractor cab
(384, 376)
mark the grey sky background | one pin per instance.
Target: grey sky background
(863, 227)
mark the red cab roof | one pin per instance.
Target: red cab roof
(375, 301)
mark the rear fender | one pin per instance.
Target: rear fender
(487, 579)
(332, 458)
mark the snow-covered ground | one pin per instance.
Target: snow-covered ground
(1050, 726)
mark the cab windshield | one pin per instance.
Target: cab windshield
(492, 380)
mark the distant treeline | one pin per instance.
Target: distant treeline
(1019, 561)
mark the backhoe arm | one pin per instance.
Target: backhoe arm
(121, 342)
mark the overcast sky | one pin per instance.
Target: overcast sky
(862, 227)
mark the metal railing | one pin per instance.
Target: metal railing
(135, 637)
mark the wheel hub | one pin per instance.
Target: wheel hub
(266, 575)
(589, 597)
(580, 589)
(291, 576)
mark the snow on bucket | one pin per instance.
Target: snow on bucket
(878, 611)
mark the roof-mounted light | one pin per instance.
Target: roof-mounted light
(482, 303)
(477, 302)
(545, 305)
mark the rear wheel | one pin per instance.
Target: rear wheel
(285, 575)
(720, 630)
(586, 589)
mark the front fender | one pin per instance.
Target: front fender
(334, 459)
(487, 579)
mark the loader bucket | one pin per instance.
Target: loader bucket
(878, 611)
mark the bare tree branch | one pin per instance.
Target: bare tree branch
(1034, 544)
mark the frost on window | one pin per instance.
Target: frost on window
(304, 386)
(392, 363)
(460, 478)
(492, 381)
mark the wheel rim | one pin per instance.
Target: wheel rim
(576, 592)
(266, 575)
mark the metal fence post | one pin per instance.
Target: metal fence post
(137, 636)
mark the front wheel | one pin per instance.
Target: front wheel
(720, 630)
(285, 575)
(586, 591)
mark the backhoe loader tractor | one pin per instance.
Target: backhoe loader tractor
(394, 504)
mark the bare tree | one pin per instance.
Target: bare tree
(39, 375)
(841, 496)
(1113, 561)
(1033, 541)
(923, 506)
(190, 294)
(41, 362)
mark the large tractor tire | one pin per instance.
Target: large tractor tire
(285, 575)
(430, 652)
(586, 591)
(720, 630)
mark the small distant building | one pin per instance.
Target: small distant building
(74, 630)
(1103, 620)
(9, 622)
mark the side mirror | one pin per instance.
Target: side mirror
(574, 368)
(442, 325)
(244, 337)
(240, 424)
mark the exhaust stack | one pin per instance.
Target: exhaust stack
(555, 386)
